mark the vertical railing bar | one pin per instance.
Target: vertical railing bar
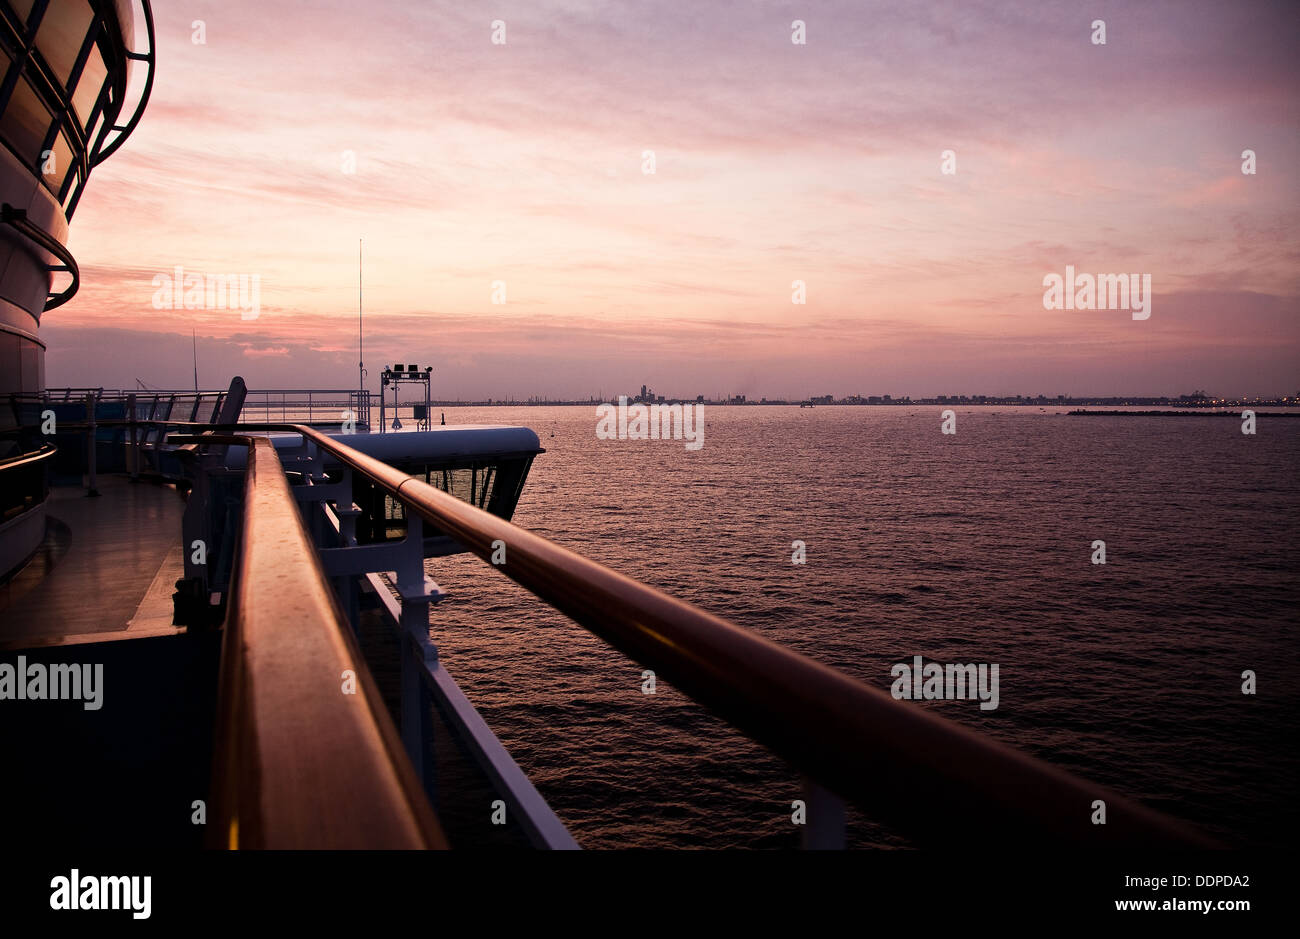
(134, 449)
(91, 481)
(824, 827)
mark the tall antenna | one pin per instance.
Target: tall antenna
(361, 365)
(194, 343)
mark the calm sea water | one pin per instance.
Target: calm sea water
(973, 547)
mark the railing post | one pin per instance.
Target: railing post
(150, 431)
(132, 450)
(91, 480)
(824, 827)
(417, 654)
(347, 586)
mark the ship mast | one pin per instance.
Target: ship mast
(361, 365)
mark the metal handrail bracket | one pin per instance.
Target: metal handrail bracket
(17, 219)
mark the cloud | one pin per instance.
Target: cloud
(774, 162)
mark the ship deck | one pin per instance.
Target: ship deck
(106, 569)
(134, 767)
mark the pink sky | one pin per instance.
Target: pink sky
(775, 162)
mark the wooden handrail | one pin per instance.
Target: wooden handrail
(35, 456)
(930, 777)
(307, 757)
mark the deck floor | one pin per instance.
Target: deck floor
(95, 571)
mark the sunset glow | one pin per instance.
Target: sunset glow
(774, 162)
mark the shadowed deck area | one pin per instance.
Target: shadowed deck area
(102, 559)
(135, 766)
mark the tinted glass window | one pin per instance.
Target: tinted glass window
(26, 121)
(59, 165)
(89, 85)
(61, 34)
(21, 8)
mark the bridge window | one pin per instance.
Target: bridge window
(27, 123)
(91, 83)
(22, 9)
(62, 163)
(61, 35)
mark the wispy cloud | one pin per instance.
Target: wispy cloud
(522, 163)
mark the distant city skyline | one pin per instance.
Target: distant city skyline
(168, 364)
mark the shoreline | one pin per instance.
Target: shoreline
(1189, 412)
